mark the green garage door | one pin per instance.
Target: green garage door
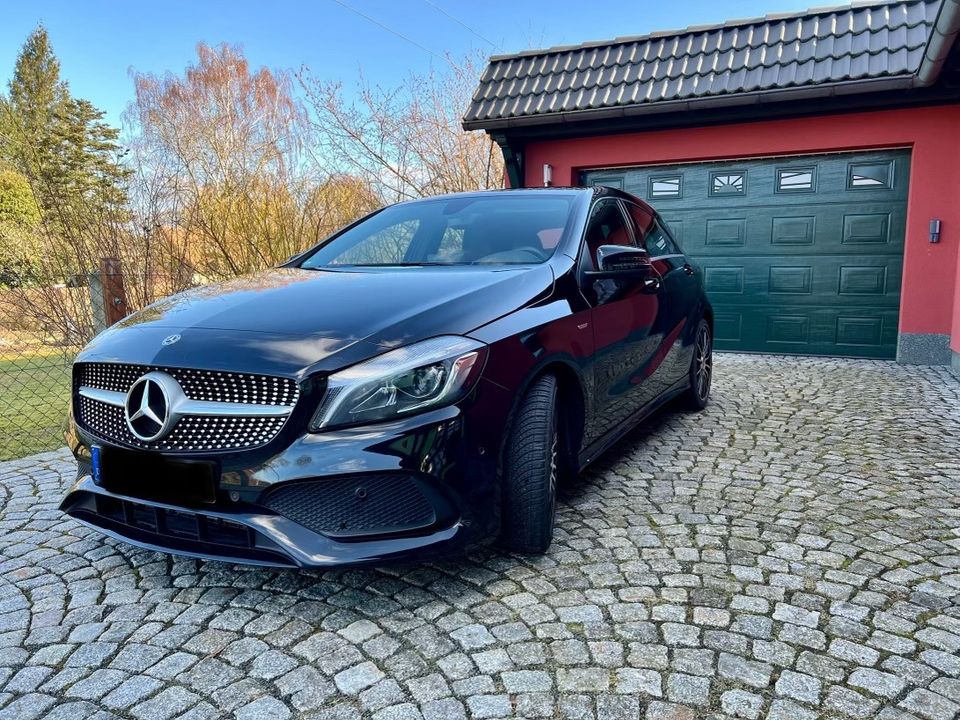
(800, 254)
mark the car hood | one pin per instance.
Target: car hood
(295, 322)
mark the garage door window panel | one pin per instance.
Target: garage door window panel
(591, 180)
(796, 180)
(662, 187)
(869, 176)
(726, 183)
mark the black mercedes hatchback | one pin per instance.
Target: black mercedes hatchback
(415, 384)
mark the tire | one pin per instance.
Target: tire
(530, 471)
(701, 369)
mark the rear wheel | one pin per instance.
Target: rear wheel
(530, 471)
(701, 369)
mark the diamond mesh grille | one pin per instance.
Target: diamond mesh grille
(213, 385)
(193, 433)
(370, 505)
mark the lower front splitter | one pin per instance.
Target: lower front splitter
(246, 537)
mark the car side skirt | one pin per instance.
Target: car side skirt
(593, 451)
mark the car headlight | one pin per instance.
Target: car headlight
(427, 374)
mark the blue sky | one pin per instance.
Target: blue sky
(100, 41)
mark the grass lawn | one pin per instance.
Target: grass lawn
(34, 396)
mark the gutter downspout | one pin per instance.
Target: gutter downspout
(512, 160)
(942, 37)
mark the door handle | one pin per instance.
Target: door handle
(688, 269)
(652, 285)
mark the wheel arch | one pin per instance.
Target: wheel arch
(708, 315)
(572, 403)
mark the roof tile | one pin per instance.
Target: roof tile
(821, 46)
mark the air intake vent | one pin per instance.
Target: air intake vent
(352, 506)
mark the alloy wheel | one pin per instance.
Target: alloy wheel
(703, 363)
(554, 449)
(553, 463)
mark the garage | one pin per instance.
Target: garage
(808, 161)
(801, 254)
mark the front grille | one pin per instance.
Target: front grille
(192, 433)
(212, 385)
(350, 506)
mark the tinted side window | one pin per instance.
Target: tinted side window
(659, 242)
(665, 229)
(606, 226)
(653, 236)
(643, 222)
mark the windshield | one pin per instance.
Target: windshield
(496, 230)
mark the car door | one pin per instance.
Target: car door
(678, 295)
(624, 316)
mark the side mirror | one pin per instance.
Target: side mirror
(615, 258)
(627, 266)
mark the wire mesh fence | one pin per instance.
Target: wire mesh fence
(42, 327)
(35, 387)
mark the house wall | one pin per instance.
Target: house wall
(930, 302)
(955, 335)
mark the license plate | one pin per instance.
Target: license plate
(149, 476)
(96, 463)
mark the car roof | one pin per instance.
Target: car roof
(595, 190)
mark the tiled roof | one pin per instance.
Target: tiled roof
(863, 42)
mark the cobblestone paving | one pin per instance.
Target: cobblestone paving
(792, 553)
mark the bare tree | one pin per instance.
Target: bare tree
(223, 183)
(228, 171)
(405, 142)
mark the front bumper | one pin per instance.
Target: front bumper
(249, 536)
(429, 488)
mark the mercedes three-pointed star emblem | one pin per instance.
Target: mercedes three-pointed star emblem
(148, 405)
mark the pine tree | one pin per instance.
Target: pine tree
(37, 98)
(60, 143)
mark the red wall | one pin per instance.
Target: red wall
(955, 335)
(930, 272)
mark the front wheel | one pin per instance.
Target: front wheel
(701, 369)
(530, 471)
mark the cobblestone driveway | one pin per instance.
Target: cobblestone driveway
(793, 552)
